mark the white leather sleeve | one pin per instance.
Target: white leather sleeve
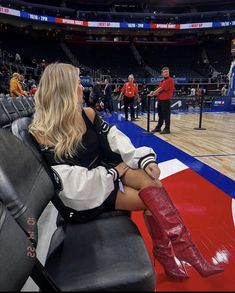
(83, 189)
(134, 157)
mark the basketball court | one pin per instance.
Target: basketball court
(198, 171)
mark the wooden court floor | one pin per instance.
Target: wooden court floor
(214, 146)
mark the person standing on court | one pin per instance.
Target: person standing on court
(164, 94)
(130, 92)
(108, 101)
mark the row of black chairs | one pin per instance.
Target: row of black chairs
(12, 108)
(106, 254)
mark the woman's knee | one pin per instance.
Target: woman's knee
(139, 179)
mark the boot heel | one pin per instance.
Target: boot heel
(163, 251)
(170, 266)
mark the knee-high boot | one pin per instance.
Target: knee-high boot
(162, 249)
(165, 213)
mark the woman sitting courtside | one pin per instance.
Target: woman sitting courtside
(98, 168)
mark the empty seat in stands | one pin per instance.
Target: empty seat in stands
(26, 105)
(31, 101)
(18, 105)
(5, 120)
(9, 109)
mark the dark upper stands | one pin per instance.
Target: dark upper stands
(117, 58)
(219, 55)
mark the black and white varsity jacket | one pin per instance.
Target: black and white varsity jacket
(86, 188)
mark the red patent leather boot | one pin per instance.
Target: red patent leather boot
(162, 249)
(165, 213)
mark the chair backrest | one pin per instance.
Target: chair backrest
(5, 120)
(26, 104)
(17, 254)
(9, 109)
(31, 101)
(17, 104)
(19, 128)
(25, 187)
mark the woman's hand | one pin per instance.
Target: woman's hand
(121, 168)
(153, 171)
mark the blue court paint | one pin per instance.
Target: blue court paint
(166, 151)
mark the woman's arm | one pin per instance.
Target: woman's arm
(114, 142)
(83, 189)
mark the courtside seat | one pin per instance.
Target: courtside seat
(106, 254)
(17, 254)
(110, 254)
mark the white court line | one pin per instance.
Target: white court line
(233, 210)
(171, 167)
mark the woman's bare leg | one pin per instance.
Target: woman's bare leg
(139, 179)
(133, 181)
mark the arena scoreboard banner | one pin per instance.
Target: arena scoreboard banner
(223, 104)
(122, 25)
(157, 80)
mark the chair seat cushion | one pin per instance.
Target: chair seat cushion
(106, 254)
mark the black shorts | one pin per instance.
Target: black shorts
(88, 215)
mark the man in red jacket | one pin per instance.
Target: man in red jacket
(164, 94)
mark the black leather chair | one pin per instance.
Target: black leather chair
(26, 105)
(17, 254)
(31, 101)
(9, 109)
(107, 254)
(5, 120)
(19, 107)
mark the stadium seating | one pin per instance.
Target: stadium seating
(101, 255)
(13, 108)
(116, 57)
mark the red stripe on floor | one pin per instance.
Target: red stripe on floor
(207, 212)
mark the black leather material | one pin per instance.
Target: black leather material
(8, 107)
(16, 254)
(19, 128)
(60, 221)
(19, 107)
(4, 118)
(25, 187)
(102, 255)
(26, 105)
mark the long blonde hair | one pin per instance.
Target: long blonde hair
(58, 112)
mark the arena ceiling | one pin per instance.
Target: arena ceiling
(153, 3)
(156, 3)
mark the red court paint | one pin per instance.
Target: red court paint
(207, 212)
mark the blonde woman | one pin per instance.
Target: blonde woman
(99, 169)
(15, 86)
